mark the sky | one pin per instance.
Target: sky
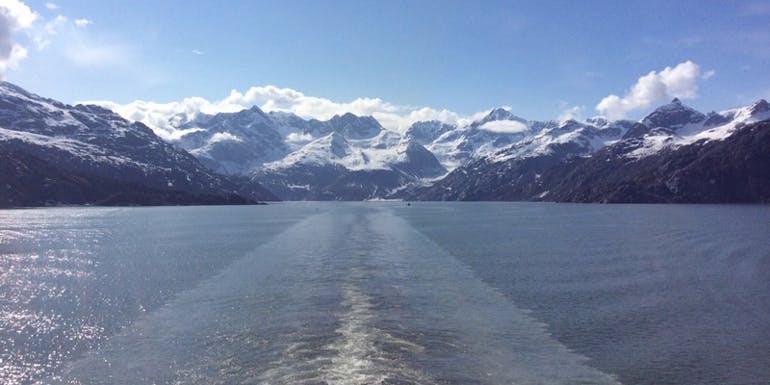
(396, 60)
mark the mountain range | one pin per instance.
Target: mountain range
(675, 154)
(54, 154)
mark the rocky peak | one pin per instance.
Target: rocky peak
(427, 131)
(759, 107)
(498, 114)
(355, 127)
(674, 115)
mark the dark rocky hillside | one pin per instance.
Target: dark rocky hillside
(28, 181)
(93, 154)
(733, 170)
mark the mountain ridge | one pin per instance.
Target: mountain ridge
(499, 156)
(92, 144)
(647, 164)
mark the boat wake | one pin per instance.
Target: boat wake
(359, 354)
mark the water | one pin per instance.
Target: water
(384, 293)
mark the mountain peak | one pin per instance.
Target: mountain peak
(354, 126)
(347, 117)
(759, 106)
(425, 132)
(256, 108)
(501, 113)
(497, 114)
(673, 116)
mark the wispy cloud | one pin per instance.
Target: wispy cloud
(52, 27)
(83, 22)
(570, 112)
(680, 81)
(754, 9)
(197, 52)
(87, 53)
(76, 44)
(51, 6)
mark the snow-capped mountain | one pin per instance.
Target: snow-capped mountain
(56, 153)
(565, 140)
(252, 142)
(96, 146)
(372, 168)
(304, 159)
(498, 156)
(673, 116)
(675, 125)
(234, 143)
(426, 132)
(675, 154)
(498, 129)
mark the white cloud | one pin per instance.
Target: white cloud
(197, 52)
(271, 98)
(78, 45)
(18, 53)
(52, 27)
(89, 54)
(570, 113)
(14, 16)
(505, 126)
(165, 118)
(708, 74)
(680, 81)
(51, 6)
(295, 137)
(82, 22)
(224, 137)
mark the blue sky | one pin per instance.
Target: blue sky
(540, 58)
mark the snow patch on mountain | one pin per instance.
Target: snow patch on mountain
(505, 126)
(698, 129)
(84, 151)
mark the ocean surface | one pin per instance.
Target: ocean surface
(385, 293)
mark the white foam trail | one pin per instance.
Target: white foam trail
(358, 360)
(355, 356)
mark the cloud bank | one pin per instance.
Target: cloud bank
(166, 118)
(14, 16)
(680, 81)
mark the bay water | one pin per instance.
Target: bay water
(386, 293)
